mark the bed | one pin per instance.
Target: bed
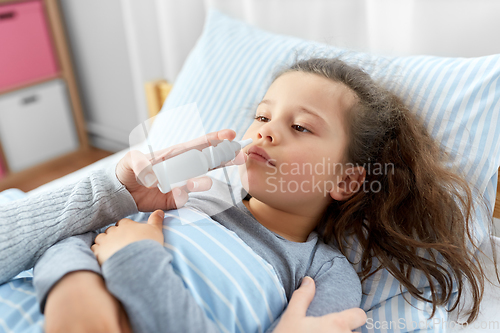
(359, 27)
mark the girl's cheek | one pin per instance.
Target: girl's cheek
(303, 167)
(297, 171)
(299, 163)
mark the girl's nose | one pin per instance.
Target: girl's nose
(269, 137)
(268, 134)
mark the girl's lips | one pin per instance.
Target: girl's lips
(260, 154)
(258, 157)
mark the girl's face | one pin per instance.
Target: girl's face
(299, 142)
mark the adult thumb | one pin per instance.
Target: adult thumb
(156, 218)
(301, 298)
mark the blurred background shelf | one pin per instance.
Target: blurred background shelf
(43, 132)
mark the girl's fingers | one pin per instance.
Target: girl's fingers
(124, 221)
(98, 238)
(108, 229)
(156, 219)
(95, 249)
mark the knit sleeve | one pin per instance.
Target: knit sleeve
(31, 225)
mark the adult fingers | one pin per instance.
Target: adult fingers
(177, 199)
(352, 318)
(141, 164)
(142, 168)
(301, 298)
(210, 139)
(240, 158)
(199, 184)
(180, 195)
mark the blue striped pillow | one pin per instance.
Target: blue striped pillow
(230, 68)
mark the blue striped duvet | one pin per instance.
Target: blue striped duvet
(237, 289)
(19, 311)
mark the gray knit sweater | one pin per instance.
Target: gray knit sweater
(31, 225)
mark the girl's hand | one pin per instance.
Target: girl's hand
(294, 318)
(135, 171)
(80, 302)
(127, 232)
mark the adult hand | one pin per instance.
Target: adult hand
(80, 303)
(294, 318)
(135, 171)
(126, 232)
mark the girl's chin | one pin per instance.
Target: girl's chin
(252, 180)
(259, 188)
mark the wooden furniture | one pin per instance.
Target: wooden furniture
(63, 75)
(496, 212)
(156, 93)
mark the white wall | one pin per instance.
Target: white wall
(496, 224)
(449, 28)
(119, 44)
(115, 50)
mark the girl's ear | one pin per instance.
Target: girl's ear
(349, 184)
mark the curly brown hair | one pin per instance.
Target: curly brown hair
(421, 217)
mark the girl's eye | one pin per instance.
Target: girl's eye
(298, 128)
(301, 129)
(262, 118)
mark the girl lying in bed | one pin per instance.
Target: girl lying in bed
(315, 111)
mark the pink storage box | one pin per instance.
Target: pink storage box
(26, 52)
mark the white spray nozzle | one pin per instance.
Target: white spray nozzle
(244, 143)
(224, 152)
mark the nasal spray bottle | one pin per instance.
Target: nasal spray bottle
(175, 171)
